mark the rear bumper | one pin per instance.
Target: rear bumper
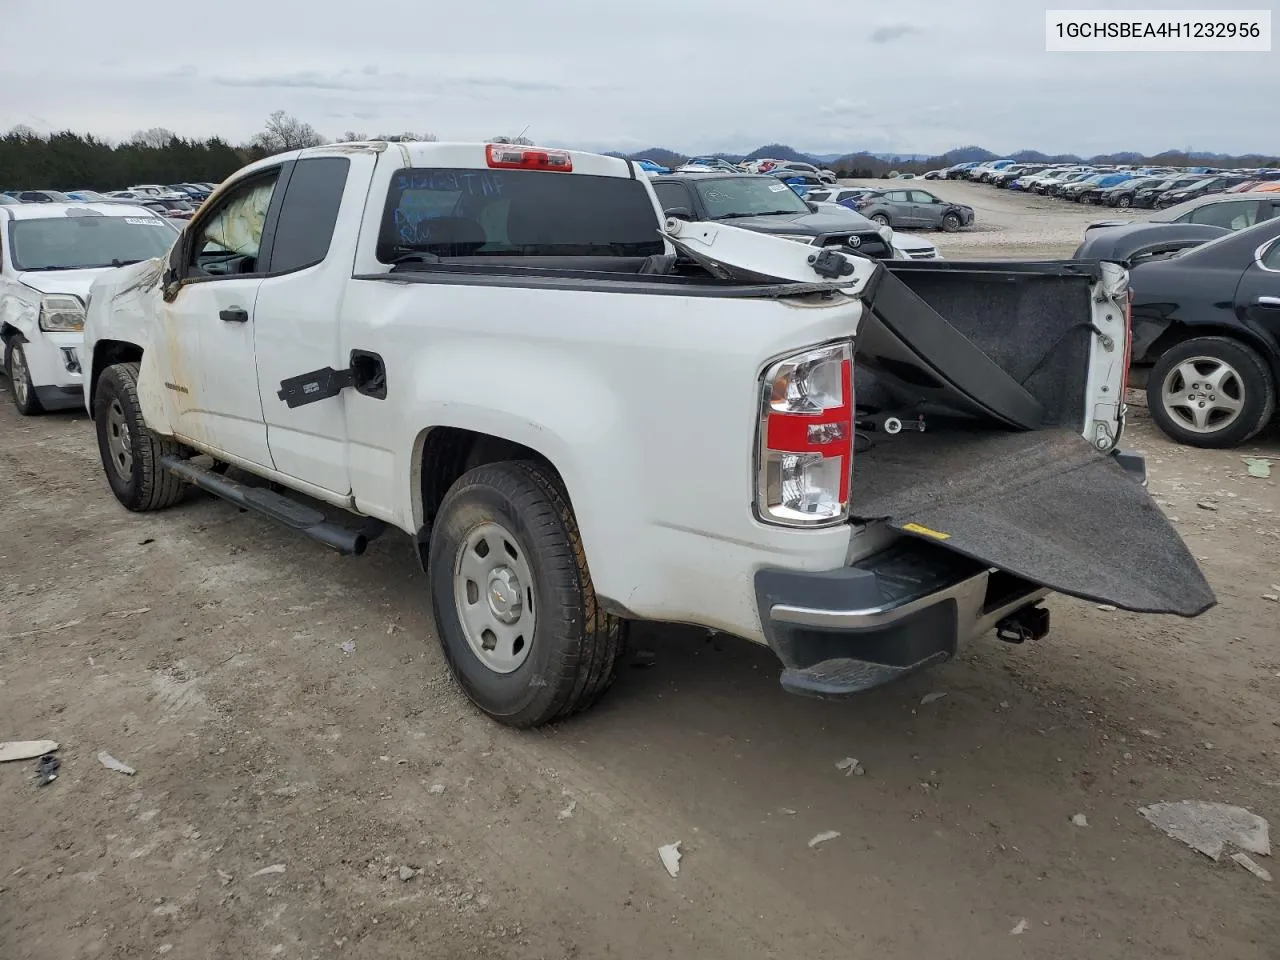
(912, 606)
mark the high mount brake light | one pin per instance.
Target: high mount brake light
(506, 156)
(805, 444)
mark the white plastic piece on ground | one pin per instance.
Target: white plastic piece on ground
(1019, 928)
(406, 874)
(823, 837)
(670, 856)
(1246, 861)
(436, 788)
(567, 812)
(1080, 820)
(26, 749)
(851, 767)
(1211, 827)
(929, 698)
(267, 871)
(111, 763)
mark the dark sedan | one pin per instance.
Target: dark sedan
(1206, 332)
(1199, 188)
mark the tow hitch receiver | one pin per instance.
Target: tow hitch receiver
(1029, 623)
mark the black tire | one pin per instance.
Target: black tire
(882, 219)
(1125, 202)
(138, 480)
(20, 385)
(951, 222)
(572, 658)
(1252, 385)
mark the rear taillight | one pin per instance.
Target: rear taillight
(512, 157)
(805, 444)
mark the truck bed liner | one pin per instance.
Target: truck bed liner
(1043, 505)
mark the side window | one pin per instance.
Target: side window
(228, 241)
(919, 196)
(1233, 215)
(672, 195)
(309, 213)
(897, 196)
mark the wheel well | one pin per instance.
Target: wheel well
(449, 452)
(1180, 332)
(106, 353)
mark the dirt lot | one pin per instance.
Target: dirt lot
(1011, 224)
(285, 708)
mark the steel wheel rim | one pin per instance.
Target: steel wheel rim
(1203, 394)
(493, 592)
(119, 440)
(18, 375)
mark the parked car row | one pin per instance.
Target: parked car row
(177, 201)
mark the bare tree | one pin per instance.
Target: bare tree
(157, 138)
(286, 132)
(407, 137)
(518, 141)
(350, 136)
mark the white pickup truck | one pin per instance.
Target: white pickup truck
(584, 416)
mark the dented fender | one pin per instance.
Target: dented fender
(125, 306)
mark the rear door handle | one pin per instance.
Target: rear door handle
(234, 315)
(1268, 301)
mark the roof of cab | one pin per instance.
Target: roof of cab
(51, 211)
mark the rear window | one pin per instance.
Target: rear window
(524, 213)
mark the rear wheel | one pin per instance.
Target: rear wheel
(130, 451)
(951, 222)
(1125, 202)
(515, 609)
(1211, 392)
(24, 391)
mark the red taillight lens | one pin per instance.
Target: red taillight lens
(511, 157)
(805, 455)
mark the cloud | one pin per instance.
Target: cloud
(894, 32)
(303, 80)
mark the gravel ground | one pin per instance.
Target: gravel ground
(1009, 224)
(310, 784)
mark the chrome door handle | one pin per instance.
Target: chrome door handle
(1268, 301)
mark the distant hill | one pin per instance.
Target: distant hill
(864, 164)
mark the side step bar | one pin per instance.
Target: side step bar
(277, 507)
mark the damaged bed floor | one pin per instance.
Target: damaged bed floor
(310, 783)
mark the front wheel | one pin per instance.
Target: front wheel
(130, 451)
(881, 219)
(1211, 392)
(951, 222)
(24, 391)
(1124, 202)
(515, 608)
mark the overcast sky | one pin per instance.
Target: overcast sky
(694, 75)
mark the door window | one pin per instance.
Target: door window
(309, 213)
(897, 196)
(671, 195)
(1233, 215)
(228, 242)
(919, 196)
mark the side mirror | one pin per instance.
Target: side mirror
(813, 207)
(678, 213)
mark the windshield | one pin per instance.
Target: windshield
(70, 243)
(732, 197)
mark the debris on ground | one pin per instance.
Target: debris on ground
(1206, 505)
(1259, 467)
(1246, 861)
(1209, 827)
(1273, 597)
(671, 856)
(1106, 607)
(1019, 928)
(851, 767)
(47, 770)
(121, 614)
(348, 646)
(929, 698)
(26, 749)
(406, 873)
(823, 837)
(436, 788)
(111, 763)
(223, 876)
(567, 812)
(1080, 820)
(787, 811)
(267, 871)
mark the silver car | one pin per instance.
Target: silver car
(914, 208)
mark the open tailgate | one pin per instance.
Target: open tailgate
(1043, 505)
